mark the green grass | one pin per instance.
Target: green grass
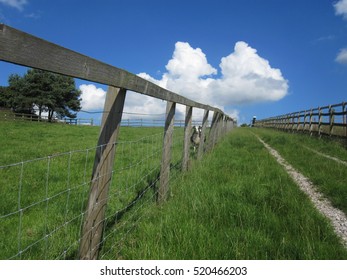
(236, 203)
(45, 194)
(328, 175)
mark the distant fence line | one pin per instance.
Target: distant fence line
(36, 118)
(24, 49)
(328, 120)
(144, 122)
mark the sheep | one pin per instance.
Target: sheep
(196, 136)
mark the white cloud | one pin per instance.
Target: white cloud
(342, 56)
(248, 78)
(341, 8)
(18, 4)
(93, 98)
(245, 78)
(188, 63)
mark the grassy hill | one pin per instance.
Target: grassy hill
(237, 203)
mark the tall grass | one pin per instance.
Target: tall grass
(328, 175)
(237, 203)
(44, 195)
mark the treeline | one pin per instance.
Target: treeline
(40, 91)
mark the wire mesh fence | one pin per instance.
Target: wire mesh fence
(44, 200)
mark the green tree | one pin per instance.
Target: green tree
(17, 99)
(46, 91)
(3, 97)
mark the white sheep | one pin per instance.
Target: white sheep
(196, 137)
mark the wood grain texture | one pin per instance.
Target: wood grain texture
(166, 154)
(203, 134)
(102, 174)
(24, 49)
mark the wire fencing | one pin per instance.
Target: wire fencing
(52, 209)
(44, 200)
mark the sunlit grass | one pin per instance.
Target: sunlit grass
(328, 175)
(238, 203)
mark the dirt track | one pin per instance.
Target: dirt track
(336, 216)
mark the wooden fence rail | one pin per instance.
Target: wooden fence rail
(327, 120)
(12, 116)
(24, 49)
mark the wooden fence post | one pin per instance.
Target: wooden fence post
(187, 132)
(311, 122)
(102, 174)
(320, 117)
(331, 120)
(212, 136)
(166, 156)
(288, 122)
(203, 134)
(219, 127)
(305, 116)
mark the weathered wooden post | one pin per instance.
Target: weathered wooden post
(187, 132)
(203, 134)
(225, 125)
(166, 156)
(287, 121)
(219, 127)
(305, 116)
(311, 122)
(102, 174)
(331, 120)
(320, 118)
(212, 136)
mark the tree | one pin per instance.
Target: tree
(46, 91)
(3, 97)
(17, 100)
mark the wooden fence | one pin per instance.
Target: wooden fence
(156, 123)
(328, 120)
(12, 116)
(24, 49)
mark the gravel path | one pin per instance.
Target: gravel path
(336, 216)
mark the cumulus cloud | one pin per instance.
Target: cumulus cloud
(248, 78)
(342, 56)
(188, 63)
(93, 98)
(341, 8)
(18, 4)
(244, 78)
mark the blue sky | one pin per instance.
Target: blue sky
(248, 57)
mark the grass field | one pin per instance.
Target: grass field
(237, 203)
(328, 175)
(45, 193)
